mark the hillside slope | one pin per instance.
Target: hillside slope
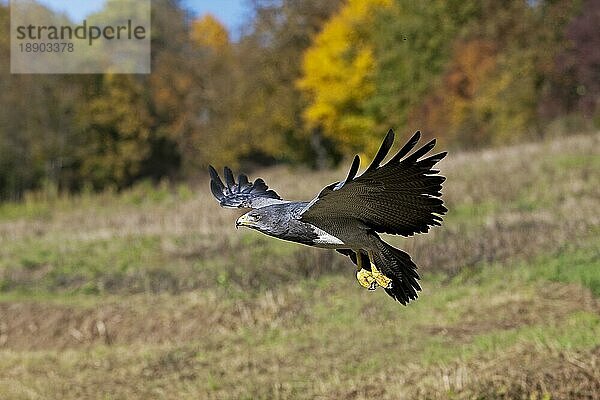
(152, 293)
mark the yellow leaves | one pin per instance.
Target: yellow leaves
(207, 31)
(337, 73)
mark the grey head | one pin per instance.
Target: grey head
(271, 220)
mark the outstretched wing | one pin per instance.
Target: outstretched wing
(243, 194)
(400, 197)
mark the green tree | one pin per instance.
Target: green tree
(338, 75)
(115, 127)
(213, 96)
(499, 70)
(37, 135)
(414, 44)
(266, 116)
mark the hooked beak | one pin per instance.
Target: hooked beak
(242, 221)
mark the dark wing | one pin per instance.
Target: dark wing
(243, 194)
(400, 197)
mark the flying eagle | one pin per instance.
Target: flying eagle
(400, 197)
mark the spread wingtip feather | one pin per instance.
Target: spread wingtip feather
(385, 147)
(408, 146)
(243, 194)
(353, 168)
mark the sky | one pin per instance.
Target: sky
(230, 12)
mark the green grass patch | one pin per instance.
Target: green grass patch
(471, 213)
(580, 266)
(580, 330)
(576, 161)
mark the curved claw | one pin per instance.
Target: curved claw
(380, 278)
(365, 279)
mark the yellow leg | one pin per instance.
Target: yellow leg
(364, 277)
(380, 278)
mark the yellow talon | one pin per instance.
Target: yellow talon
(366, 279)
(380, 278)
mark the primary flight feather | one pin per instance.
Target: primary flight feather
(400, 197)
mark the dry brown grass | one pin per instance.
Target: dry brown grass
(153, 294)
(513, 203)
(523, 373)
(149, 320)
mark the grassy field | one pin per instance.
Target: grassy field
(152, 293)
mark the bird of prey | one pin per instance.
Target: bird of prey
(400, 197)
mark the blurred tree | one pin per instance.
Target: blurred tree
(498, 71)
(307, 81)
(575, 74)
(448, 107)
(136, 126)
(37, 137)
(375, 61)
(207, 31)
(115, 129)
(213, 95)
(267, 109)
(528, 37)
(338, 76)
(414, 44)
(172, 91)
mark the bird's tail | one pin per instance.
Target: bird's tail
(398, 266)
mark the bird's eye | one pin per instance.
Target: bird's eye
(254, 217)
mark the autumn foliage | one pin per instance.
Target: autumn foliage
(305, 82)
(337, 74)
